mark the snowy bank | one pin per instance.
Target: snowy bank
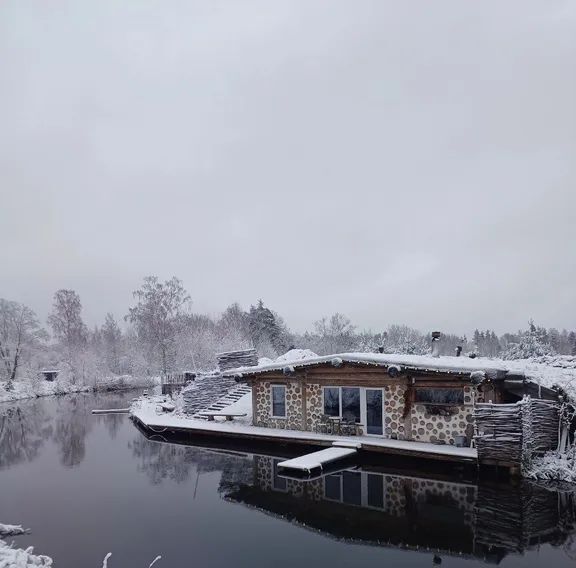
(554, 466)
(33, 389)
(12, 557)
(125, 382)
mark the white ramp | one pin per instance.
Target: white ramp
(318, 459)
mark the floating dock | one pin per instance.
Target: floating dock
(317, 460)
(171, 424)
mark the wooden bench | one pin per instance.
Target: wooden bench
(228, 415)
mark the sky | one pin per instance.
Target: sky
(398, 162)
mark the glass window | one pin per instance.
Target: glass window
(278, 483)
(279, 401)
(352, 487)
(439, 396)
(351, 404)
(332, 401)
(375, 490)
(332, 487)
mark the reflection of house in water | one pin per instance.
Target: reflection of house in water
(407, 512)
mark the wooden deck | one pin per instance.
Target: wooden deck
(160, 424)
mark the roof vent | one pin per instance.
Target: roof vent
(435, 343)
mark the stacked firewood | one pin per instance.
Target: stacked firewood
(234, 359)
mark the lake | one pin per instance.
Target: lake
(87, 485)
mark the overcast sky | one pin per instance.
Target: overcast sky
(395, 161)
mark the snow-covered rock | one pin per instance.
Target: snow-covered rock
(12, 557)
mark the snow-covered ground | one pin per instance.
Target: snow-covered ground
(38, 388)
(13, 557)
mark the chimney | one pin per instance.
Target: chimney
(458, 350)
(436, 344)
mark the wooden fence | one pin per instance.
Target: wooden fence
(510, 434)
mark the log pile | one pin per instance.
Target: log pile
(234, 359)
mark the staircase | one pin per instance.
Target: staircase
(232, 396)
(211, 393)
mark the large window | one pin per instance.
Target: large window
(278, 401)
(439, 396)
(351, 404)
(343, 402)
(332, 401)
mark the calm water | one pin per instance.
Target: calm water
(87, 485)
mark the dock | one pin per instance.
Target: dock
(147, 419)
(317, 460)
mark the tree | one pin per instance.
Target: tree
(335, 334)
(157, 315)
(534, 342)
(66, 321)
(20, 332)
(266, 328)
(111, 340)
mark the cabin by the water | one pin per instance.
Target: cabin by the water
(404, 397)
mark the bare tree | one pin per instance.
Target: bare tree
(20, 332)
(66, 320)
(111, 338)
(157, 315)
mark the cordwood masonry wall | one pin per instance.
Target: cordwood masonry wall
(304, 409)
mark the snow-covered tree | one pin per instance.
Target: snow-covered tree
(158, 316)
(404, 339)
(66, 320)
(111, 342)
(534, 342)
(266, 330)
(20, 334)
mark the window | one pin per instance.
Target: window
(351, 404)
(332, 401)
(439, 396)
(278, 401)
(278, 483)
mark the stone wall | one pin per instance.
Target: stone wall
(394, 410)
(442, 424)
(263, 410)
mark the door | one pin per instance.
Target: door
(374, 412)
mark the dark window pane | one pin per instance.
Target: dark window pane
(440, 396)
(374, 412)
(332, 401)
(351, 404)
(278, 401)
(332, 487)
(278, 483)
(352, 487)
(375, 491)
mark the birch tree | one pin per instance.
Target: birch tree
(158, 316)
(20, 333)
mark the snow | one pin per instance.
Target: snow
(11, 530)
(39, 387)
(12, 557)
(145, 412)
(33, 389)
(296, 355)
(554, 466)
(316, 460)
(546, 371)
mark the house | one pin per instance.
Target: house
(49, 374)
(405, 397)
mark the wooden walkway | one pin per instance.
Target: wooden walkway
(149, 420)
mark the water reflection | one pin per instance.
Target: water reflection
(26, 426)
(23, 432)
(484, 521)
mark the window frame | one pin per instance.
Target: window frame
(339, 415)
(272, 415)
(459, 389)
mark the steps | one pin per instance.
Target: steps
(232, 396)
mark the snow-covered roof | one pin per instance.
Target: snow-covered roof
(453, 365)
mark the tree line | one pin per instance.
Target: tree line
(161, 333)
